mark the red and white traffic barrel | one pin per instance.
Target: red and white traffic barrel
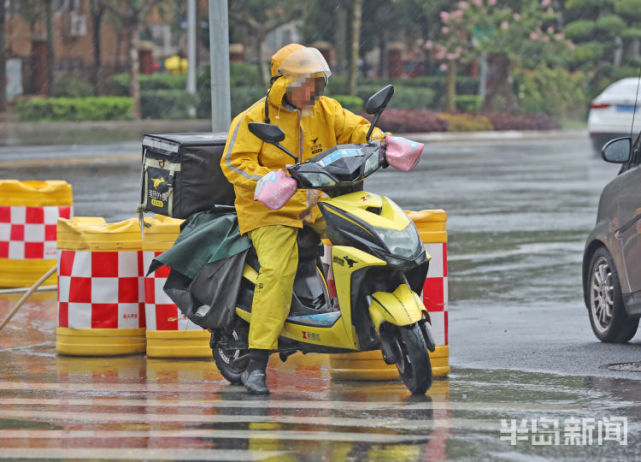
(29, 211)
(100, 288)
(170, 334)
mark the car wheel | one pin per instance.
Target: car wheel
(608, 317)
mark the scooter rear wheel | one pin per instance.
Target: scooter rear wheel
(414, 362)
(226, 359)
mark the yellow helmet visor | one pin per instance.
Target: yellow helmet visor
(304, 63)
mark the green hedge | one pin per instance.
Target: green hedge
(352, 103)
(243, 75)
(436, 84)
(241, 99)
(555, 92)
(167, 104)
(75, 109)
(242, 95)
(72, 87)
(468, 103)
(119, 84)
(404, 97)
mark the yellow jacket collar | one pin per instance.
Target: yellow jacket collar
(278, 90)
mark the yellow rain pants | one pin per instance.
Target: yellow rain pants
(277, 252)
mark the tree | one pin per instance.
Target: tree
(32, 12)
(420, 18)
(50, 51)
(3, 59)
(356, 30)
(527, 36)
(97, 12)
(607, 34)
(260, 17)
(131, 14)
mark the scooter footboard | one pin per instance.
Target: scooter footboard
(400, 308)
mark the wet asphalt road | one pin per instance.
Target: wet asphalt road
(521, 348)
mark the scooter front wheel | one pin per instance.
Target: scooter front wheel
(230, 361)
(414, 361)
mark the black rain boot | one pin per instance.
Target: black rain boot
(254, 376)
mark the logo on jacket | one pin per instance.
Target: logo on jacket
(157, 182)
(316, 147)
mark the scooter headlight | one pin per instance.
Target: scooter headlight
(405, 243)
(318, 180)
(371, 164)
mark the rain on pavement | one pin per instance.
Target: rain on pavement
(521, 348)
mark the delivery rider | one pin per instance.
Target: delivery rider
(312, 123)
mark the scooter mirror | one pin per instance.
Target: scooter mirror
(378, 101)
(271, 134)
(268, 133)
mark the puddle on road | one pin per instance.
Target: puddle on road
(627, 367)
(155, 409)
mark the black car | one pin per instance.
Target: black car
(612, 256)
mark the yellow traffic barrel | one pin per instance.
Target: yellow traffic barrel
(170, 334)
(100, 288)
(29, 211)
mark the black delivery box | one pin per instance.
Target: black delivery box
(181, 174)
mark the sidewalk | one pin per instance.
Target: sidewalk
(33, 133)
(42, 133)
(496, 135)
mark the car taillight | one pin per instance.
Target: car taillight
(599, 106)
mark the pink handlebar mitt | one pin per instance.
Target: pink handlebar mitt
(275, 189)
(401, 153)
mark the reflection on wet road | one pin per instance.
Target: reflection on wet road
(137, 408)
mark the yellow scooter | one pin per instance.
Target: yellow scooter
(363, 295)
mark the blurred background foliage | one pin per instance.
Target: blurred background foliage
(599, 41)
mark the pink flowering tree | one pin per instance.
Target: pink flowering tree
(527, 37)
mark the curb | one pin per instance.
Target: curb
(12, 133)
(507, 135)
(98, 132)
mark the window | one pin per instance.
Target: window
(68, 5)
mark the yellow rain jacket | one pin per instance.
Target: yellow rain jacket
(247, 158)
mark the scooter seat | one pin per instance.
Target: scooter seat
(322, 319)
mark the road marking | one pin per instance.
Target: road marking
(94, 453)
(112, 388)
(292, 435)
(68, 161)
(212, 417)
(286, 404)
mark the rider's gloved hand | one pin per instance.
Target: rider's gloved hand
(401, 153)
(275, 189)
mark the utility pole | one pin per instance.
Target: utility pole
(191, 52)
(355, 49)
(219, 59)
(3, 59)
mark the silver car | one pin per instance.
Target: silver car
(612, 256)
(611, 112)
